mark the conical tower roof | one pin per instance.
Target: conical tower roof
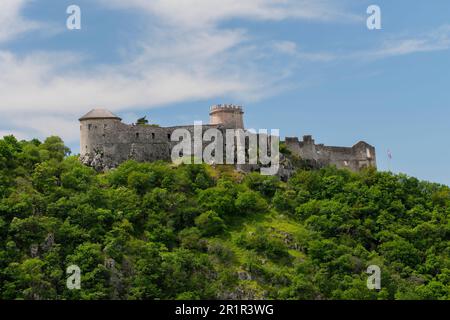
(99, 114)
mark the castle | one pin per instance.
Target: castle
(106, 141)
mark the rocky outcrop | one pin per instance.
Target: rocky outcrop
(98, 162)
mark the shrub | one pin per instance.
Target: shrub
(210, 223)
(249, 202)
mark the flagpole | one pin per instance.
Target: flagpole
(389, 160)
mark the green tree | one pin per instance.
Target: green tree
(142, 121)
(210, 223)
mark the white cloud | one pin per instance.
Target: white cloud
(201, 13)
(35, 83)
(45, 126)
(12, 23)
(291, 48)
(286, 47)
(435, 40)
(41, 84)
(187, 54)
(18, 134)
(189, 58)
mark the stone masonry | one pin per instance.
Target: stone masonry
(106, 141)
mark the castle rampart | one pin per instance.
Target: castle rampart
(361, 155)
(106, 141)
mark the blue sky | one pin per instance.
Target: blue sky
(303, 66)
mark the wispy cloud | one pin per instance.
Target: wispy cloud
(41, 84)
(185, 55)
(394, 45)
(12, 22)
(292, 49)
(18, 134)
(434, 40)
(202, 13)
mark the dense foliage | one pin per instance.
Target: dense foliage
(155, 230)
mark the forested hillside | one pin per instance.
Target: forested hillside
(154, 230)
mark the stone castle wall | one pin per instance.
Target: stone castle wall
(113, 142)
(107, 142)
(361, 155)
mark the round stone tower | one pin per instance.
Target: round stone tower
(230, 116)
(92, 129)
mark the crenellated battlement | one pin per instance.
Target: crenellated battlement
(227, 115)
(357, 157)
(226, 107)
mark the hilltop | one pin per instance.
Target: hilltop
(156, 230)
